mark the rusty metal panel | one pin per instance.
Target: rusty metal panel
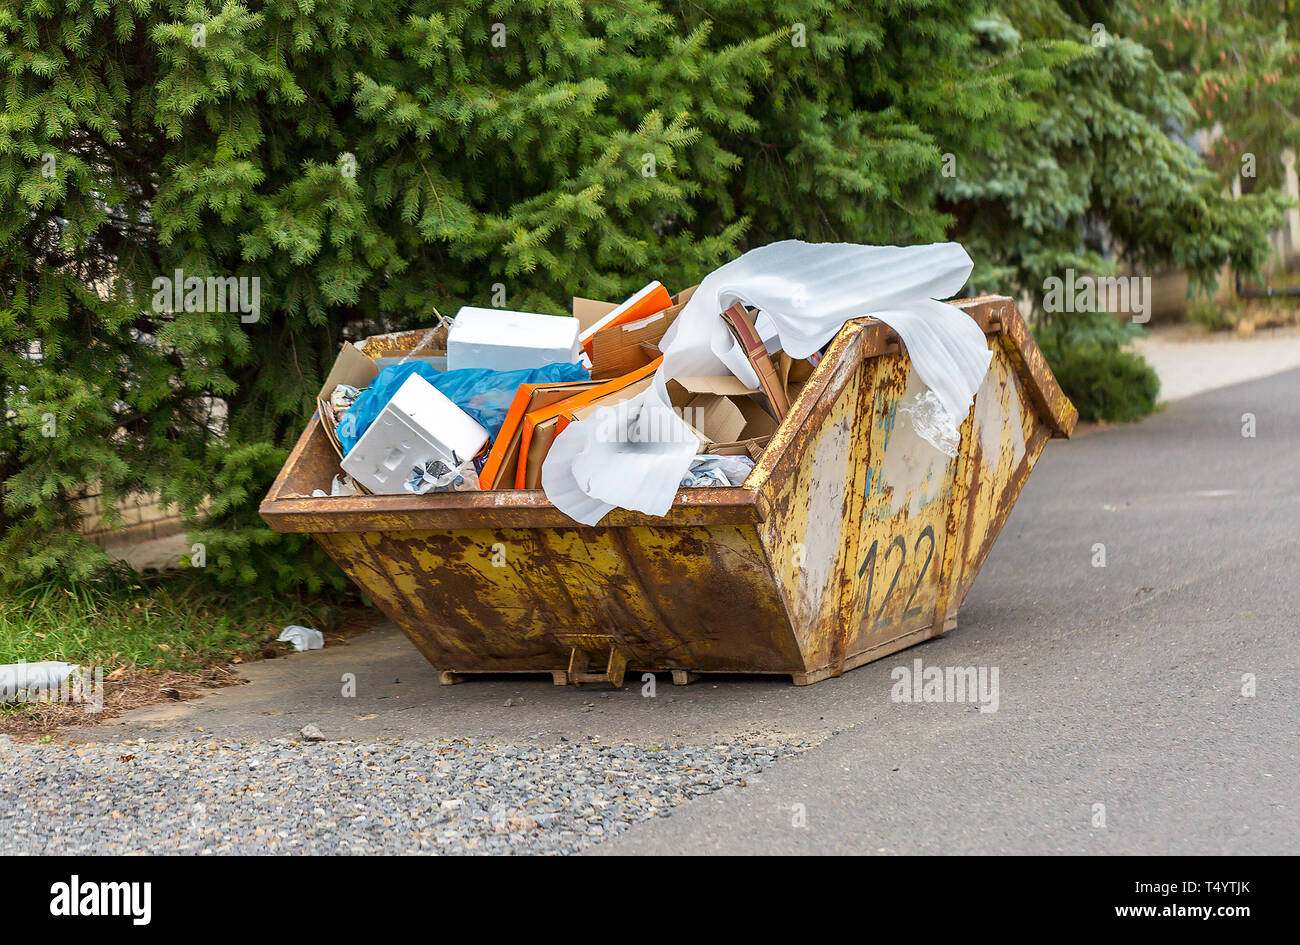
(812, 506)
(1006, 439)
(851, 539)
(903, 534)
(484, 600)
(859, 531)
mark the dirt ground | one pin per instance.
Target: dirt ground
(133, 688)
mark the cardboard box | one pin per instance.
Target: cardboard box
(417, 426)
(589, 311)
(502, 340)
(758, 429)
(350, 367)
(715, 407)
(618, 350)
(647, 301)
(621, 349)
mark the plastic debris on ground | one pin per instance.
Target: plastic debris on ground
(302, 638)
(20, 680)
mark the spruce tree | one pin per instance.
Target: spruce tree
(368, 162)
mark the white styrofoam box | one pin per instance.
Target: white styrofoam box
(417, 425)
(502, 340)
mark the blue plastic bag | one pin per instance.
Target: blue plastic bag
(484, 395)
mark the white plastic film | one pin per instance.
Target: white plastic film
(807, 291)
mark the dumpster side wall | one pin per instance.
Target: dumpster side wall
(1007, 438)
(857, 528)
(514, 600)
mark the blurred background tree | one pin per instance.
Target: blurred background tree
(1238, 63)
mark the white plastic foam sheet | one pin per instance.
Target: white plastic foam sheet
(949, 354)
(808, 291)
(621, 456)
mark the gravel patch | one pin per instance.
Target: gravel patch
(290, 796)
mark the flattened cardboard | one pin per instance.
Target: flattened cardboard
(350, 367)
(715, 418)
(741, 324)
(567, 406)
(545, 431)
(758, 422)
(590, 311)
(528, 474)
(753, 448)
(681, 390)
(793, 371)
(503, 460)
(618, 397)
(725, 402)
(618, 351)
(759, 427)
(646, 301)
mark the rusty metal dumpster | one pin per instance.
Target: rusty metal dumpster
(848, 541)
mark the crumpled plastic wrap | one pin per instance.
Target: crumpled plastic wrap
(437, 476)
(342, 399)
(302, 638)
(807, 291)
(18, 679)
(717, 470)
(931, 422)
(342, 485)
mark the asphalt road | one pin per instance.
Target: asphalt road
(1119, 686)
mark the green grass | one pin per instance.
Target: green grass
(175, 622)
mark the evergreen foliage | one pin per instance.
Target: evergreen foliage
(371, 161)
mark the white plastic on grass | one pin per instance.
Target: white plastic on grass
(807, 291)
(16, 678)
(302, 638)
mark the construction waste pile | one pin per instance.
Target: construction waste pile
(620, 405)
